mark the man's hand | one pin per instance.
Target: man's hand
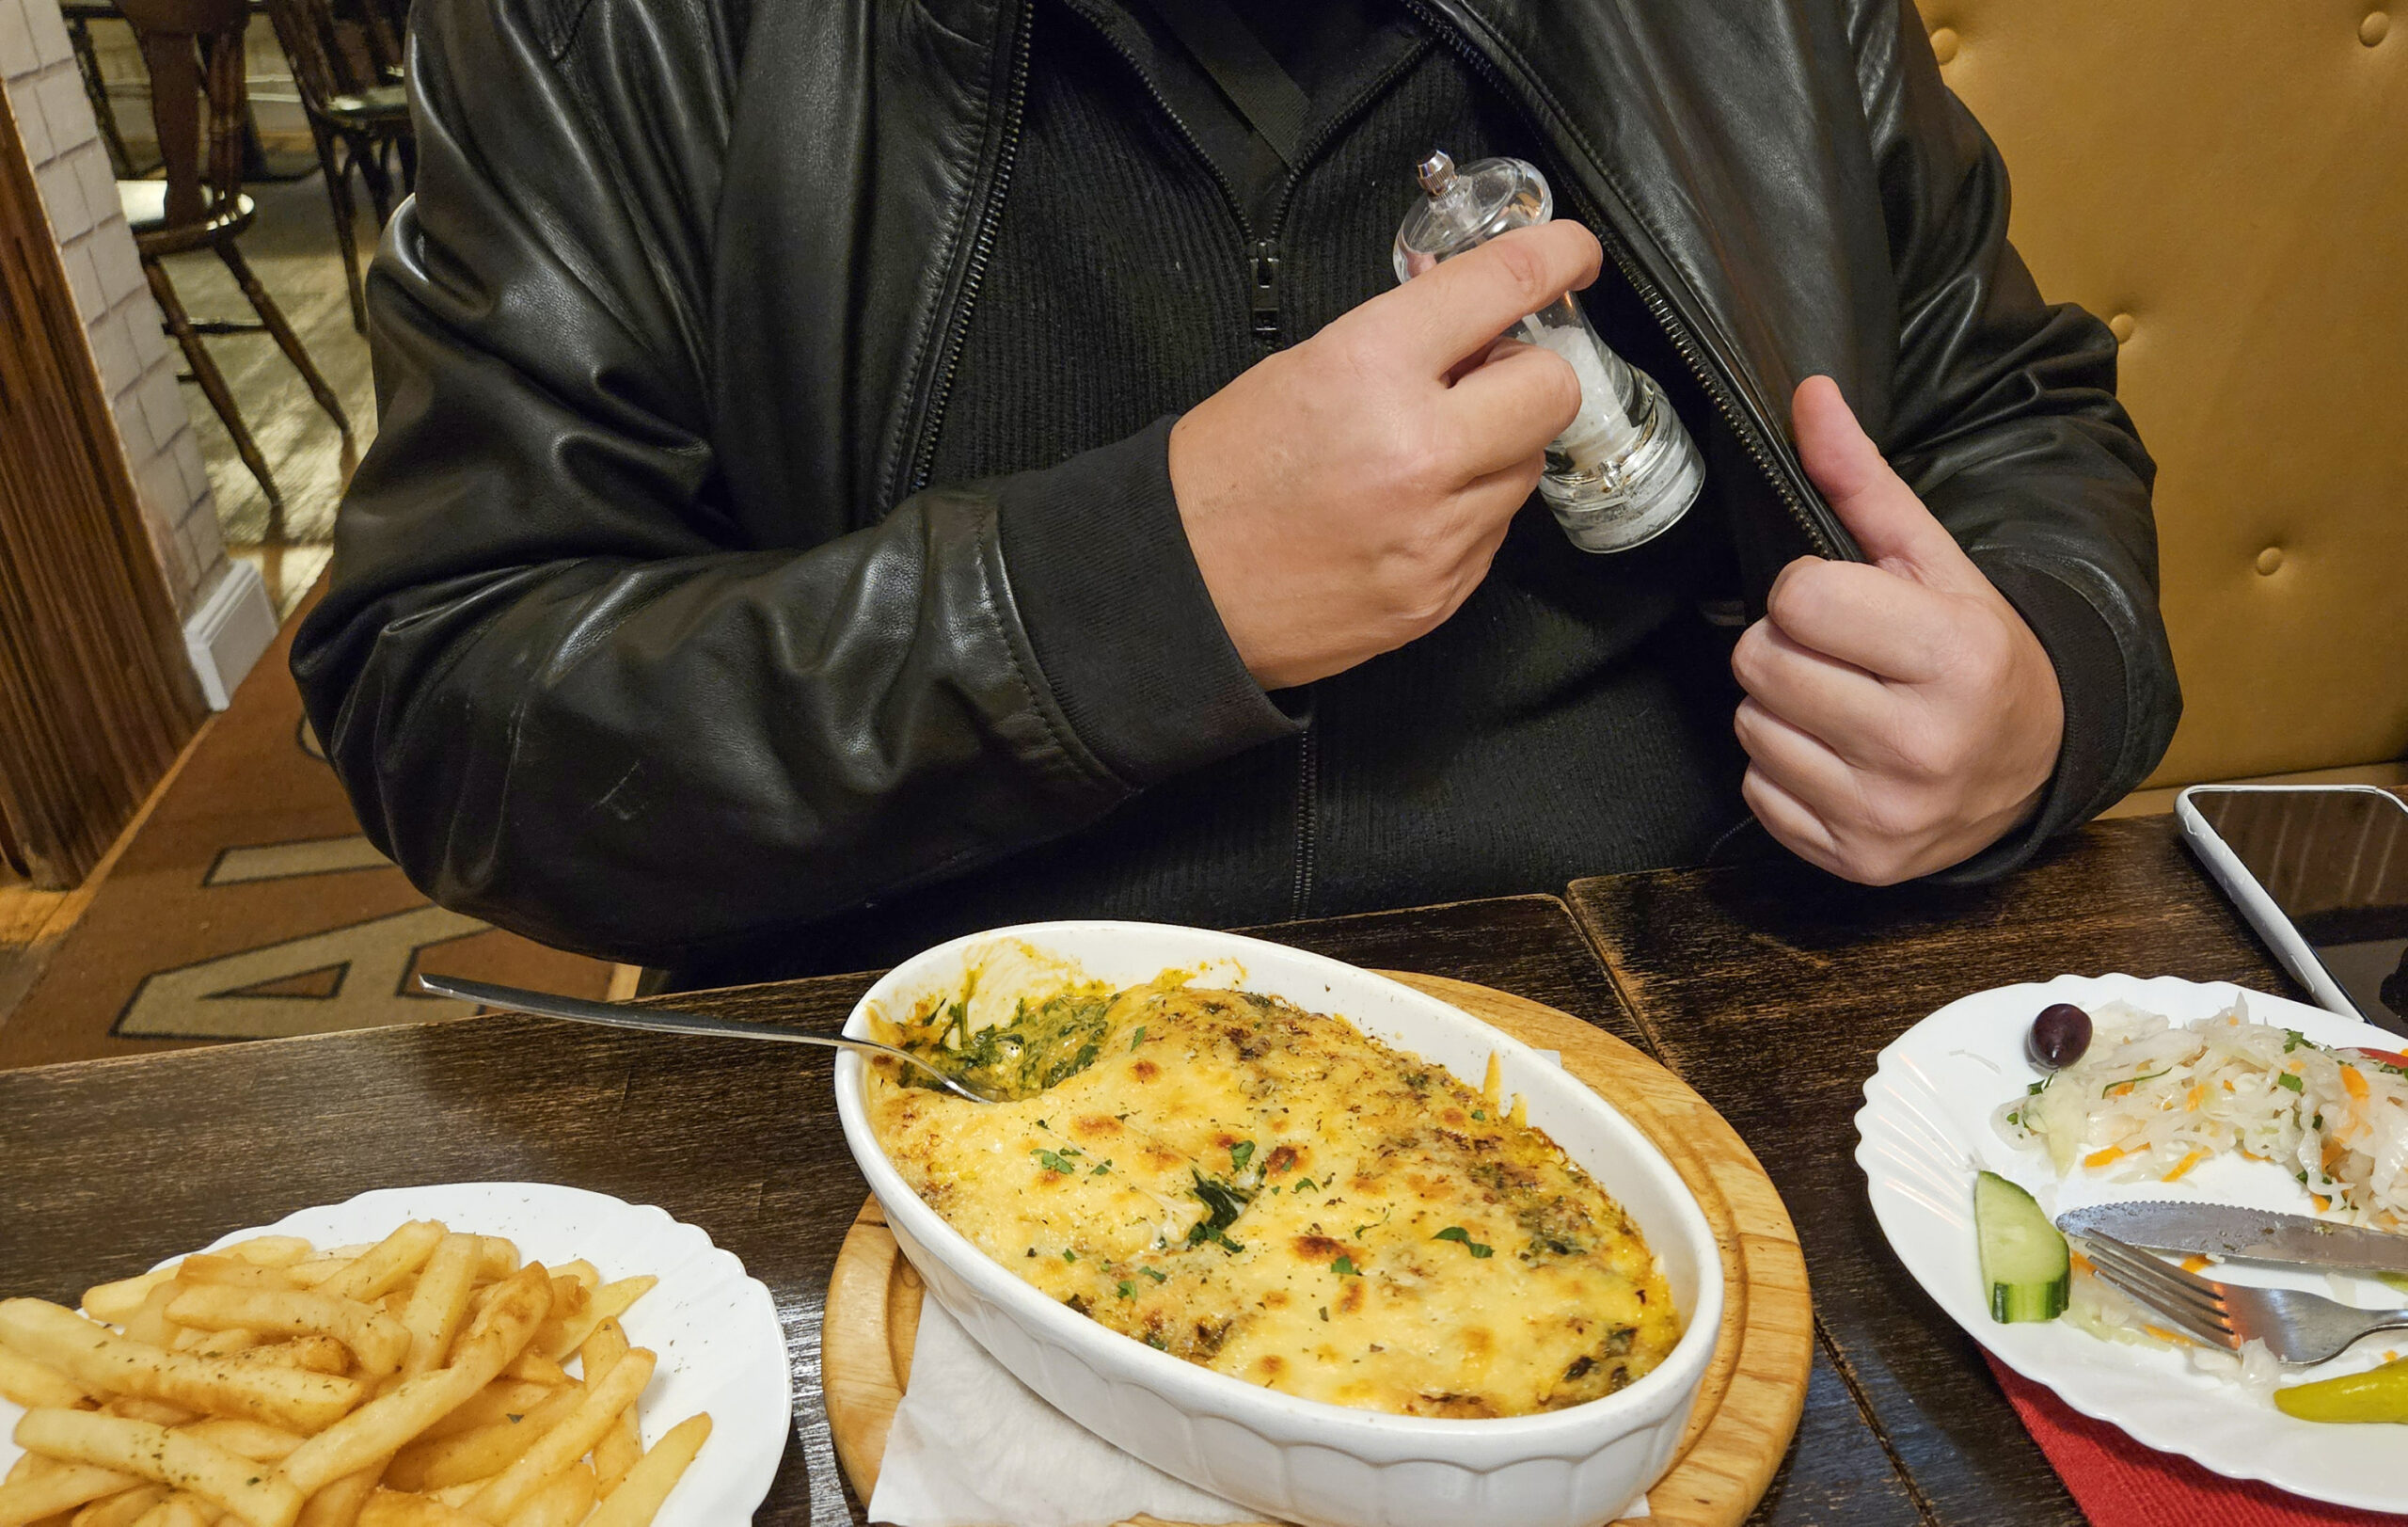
(1345, 496)
(1900, 715)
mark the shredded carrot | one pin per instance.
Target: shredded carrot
(2199, 1095)
(2227, 1083)
(2195, 1263)
(2322, 1202)
(2163, 1335)
(2101, 1158)
(2334, 1153)
(2079, 1261)
(2353, 1083)
(2183, 1166)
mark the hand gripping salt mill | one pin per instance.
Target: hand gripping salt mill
(1626, 470)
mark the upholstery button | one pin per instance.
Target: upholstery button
(1944, 43)
(2121, 327)
(2270, 561)
(2374, 28)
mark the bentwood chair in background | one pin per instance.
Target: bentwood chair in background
(194, 50)
(359, 113)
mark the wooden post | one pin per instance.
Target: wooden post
(97, 695)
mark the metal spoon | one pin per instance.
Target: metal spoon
(668, 1020)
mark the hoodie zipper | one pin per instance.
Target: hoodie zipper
(1265, 322)
(1754, 434)
(982, 249)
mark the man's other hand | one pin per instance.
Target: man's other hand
(1900, 716)
(1346, 496)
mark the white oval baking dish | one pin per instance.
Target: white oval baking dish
(1303, 1460)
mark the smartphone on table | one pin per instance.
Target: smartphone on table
(2322, 872)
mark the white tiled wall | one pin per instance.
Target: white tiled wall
(137, 361)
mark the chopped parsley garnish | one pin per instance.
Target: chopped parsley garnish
(2036, 1088)
(1069, 1255)
(1344, 1267)
(1480, 1114)
(2132, 1081)
(2292, 1040)
(2290, 1079)
(1463, 1238)
(1099, 1171)
(1306, 1183)
(1157, 1277)
(1223, 1203)
(1128, 1289)
(1137, 1039)
(1057, 1160)
(1241, 1154)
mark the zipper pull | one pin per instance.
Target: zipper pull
(1264, 294)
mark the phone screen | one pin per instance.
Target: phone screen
(2336, 863)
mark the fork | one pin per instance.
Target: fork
(2296, 1327)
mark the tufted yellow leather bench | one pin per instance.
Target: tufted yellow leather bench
(2227, 182)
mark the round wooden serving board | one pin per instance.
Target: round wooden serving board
(1746, 1408)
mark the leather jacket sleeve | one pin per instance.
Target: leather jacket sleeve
(2003, 416)
(564, 693)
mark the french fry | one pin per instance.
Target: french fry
(270, 1250)
(386, 1509)
(30, 1383)
(315, 1271)
(562, 1502)
(178, 1510)
(608, 1302)
(158, 1412)
(479, 1453)
(439, 1303)
(375, 1338)
(244, 1438)
(532, 1367)
(261, 1496)
(382, 1267)
(122, 1509)
(116, 1302)
(150, 1325)
(638, 1499)
(619, 1447)
(582, 1270)
(231, 1272)
(102, 1361)
(317, 1354)
(338, 1504)
(50, 1491)
(566, 1442)
(498, 1401)
(385, 1424)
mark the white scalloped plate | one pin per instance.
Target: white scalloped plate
(1925, 1130)
(716, 1332)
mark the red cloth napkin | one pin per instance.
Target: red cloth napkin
(2118, 1483)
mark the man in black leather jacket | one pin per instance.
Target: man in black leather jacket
(851, 473)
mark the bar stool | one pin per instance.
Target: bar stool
(359, 119)
(193, 49)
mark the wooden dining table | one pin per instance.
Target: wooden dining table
(1770, 988)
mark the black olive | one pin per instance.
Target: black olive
(2058, 1038)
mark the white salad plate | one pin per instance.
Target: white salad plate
(1925, 1130)
(714, 1327)
(1303, 1460)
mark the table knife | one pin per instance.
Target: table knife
(2227, 1229)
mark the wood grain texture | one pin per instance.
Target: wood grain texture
(1771, 989)
(108, 1166)
(96, 692)
(1748, 1403)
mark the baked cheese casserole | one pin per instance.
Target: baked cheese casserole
(1271, 1194)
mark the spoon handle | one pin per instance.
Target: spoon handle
(626, 1015)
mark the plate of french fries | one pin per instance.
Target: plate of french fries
(463, 1355)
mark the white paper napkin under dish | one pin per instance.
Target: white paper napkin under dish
(972, 1446)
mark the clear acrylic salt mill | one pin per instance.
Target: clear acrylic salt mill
(1626, 470)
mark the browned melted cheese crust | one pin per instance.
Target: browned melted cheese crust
(1273, 1195)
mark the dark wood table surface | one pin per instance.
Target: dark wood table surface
(1768, 990)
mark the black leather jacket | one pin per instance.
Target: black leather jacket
(646, 631)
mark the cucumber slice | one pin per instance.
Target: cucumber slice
(2023, 1258)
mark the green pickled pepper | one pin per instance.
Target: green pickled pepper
(2377, 1394)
